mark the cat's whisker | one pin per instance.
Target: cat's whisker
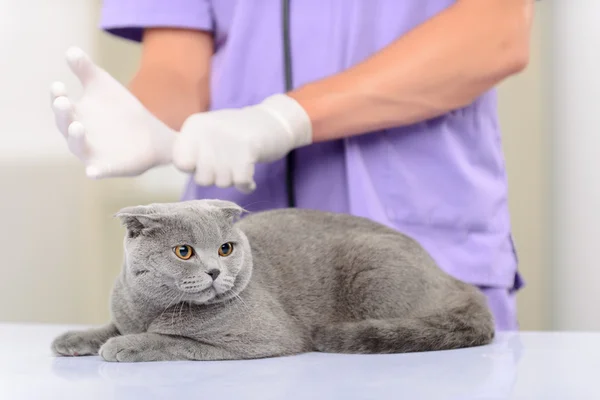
(170, 302)
(243, 302)
(247, 308)
(173, 314)
(245, 207)
(180, 309)
(237, 306)
(253, 322)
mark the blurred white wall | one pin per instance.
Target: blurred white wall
(524, 116)
(575, 38)
(33, 36)
(61, 248)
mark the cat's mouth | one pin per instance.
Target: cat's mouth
(194, 286)
(198, 290)
(195, 292)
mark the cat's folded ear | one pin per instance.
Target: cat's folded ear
(228, 209)
(139, 220)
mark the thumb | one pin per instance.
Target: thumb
(81, 65)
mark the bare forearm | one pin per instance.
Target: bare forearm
(173, 78)
(168, 95)
(441, 65)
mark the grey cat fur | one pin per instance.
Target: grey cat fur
(297, 281)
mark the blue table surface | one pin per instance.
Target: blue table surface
(525, 365)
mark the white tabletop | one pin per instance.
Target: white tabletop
(517, 366)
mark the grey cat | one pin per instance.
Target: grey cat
(199, 283)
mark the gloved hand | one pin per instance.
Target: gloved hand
(108, 129)
(223, 146)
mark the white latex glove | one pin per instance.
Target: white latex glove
(223, 146)
(108, 129)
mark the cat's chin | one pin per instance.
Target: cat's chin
(211, 295)
(201, 297)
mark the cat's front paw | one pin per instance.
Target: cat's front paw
(76, 343)
(129, 348)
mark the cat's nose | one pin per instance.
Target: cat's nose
(214, 273)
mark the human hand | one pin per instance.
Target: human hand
(108, 129)
(223, 146)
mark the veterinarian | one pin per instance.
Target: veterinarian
(379, 108)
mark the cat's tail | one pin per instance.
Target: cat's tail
(468, 325)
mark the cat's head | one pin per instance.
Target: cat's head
(189, 251)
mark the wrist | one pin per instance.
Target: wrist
(330, 106)
(292, 117)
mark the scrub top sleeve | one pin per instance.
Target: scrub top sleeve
(128, 18)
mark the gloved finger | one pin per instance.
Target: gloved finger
(57, 89)
(247, 187)
(76, 139)
(97, 172)
(243, 177)
(102, 170)
(185, 153)
(64, 114)
(223, 177)
(81, 65)
(205, 174)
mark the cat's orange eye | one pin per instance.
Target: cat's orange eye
(226, 249)
(184, 251)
